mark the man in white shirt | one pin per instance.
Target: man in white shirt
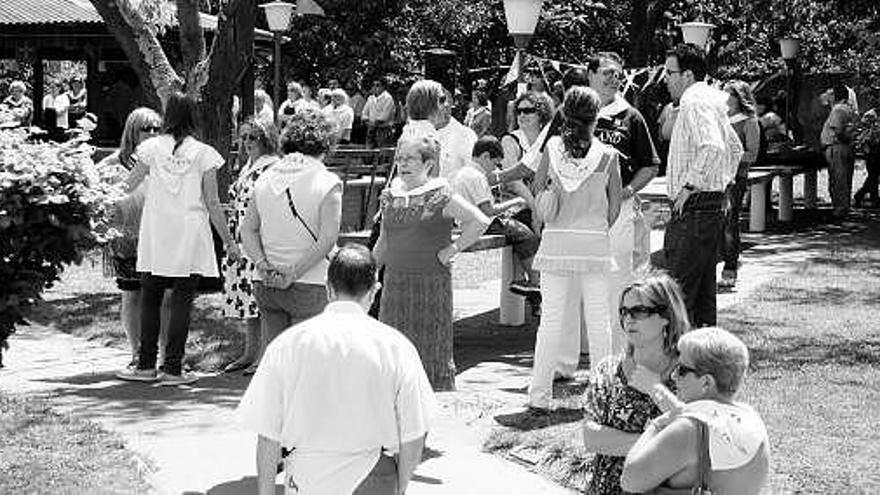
(471, 183)
(703, 156)
(456, 140)
(58, 101)
(378, 113)
(346, 394)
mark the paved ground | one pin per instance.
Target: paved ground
(190, 436)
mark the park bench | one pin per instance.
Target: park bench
(656, 191)
(364, 173)
(511, 306)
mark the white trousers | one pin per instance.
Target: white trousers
(557, 347)
(630, 241)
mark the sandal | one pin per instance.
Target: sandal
(237, 365)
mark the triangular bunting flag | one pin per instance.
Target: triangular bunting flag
(308, 7)
(512, 74)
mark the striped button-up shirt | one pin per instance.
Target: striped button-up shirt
(704, 151)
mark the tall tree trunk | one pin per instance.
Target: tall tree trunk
(645, 17)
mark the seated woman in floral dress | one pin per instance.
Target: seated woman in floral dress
(623, 394)
(415, 247)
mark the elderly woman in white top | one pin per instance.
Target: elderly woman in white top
(580, 202)
(711, 367)
(292, 224)
(175, 247)
(340, 114)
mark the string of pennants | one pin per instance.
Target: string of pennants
(560, 67)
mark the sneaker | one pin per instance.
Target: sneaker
(524, 288)
(534, 299)
(170, 380)
(136, 375)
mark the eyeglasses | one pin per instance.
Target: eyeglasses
(682, 369)
(250, 137)
(151, 128)
(527, 110)
(670, 71)
(611, 72)
(640, 312)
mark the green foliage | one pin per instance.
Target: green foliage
(54, 205)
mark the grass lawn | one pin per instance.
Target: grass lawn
(44, 452)
(815, 375)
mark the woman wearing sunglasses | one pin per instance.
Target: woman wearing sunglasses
(120, 257)
(257, 150)
(621, 399)
(667, 456)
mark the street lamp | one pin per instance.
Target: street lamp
(278, 16)
(522, 18)
(696, 33)
(789, 47)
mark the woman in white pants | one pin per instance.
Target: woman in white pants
(579, 198)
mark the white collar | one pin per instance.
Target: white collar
(618, 105)
(397, 185)
(344, 307)
(285, 172)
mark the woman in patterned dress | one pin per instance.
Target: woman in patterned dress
(414, 246)
(258, 142)
(627, 390)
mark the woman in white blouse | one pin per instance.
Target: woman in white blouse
(175, 247)
(578, 204)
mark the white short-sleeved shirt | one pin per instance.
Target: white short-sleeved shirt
(456, 147)
(175, 233)
(471, 183)
(342, 117)
(337, 389)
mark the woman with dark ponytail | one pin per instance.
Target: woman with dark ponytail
(175, 246)
(578, 199)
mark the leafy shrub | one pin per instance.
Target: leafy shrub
(54, 206)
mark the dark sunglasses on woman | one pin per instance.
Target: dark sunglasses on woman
(640, 312)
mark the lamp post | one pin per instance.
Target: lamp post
(522, 18)
(278, 16)
(696, 33)
(789, 47)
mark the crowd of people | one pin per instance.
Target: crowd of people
(562, 187)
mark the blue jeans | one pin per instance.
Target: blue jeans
(280, 309)
(691, 245)
(183, 291)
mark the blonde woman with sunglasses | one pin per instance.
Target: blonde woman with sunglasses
(621, 397)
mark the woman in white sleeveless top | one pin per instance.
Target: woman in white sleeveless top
(291, 225)
(175, 246)
(579, 202)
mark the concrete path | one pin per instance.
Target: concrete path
(190, 437)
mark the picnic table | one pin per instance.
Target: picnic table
(511, 307)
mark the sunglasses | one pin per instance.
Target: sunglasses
(527, 110)
(640, 312)
(250, 137)
(682, 369)
(151, 128)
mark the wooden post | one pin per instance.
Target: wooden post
(757, 209)
(786, 197)
(511, 306)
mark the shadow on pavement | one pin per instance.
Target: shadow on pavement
(243, 486)
(480, 339)
(527, 420)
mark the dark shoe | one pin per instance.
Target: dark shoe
(524, 288)
(534, 299)
(250, 370)
(728, 280)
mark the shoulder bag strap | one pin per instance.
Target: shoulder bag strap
(704, 464)
(297, 216)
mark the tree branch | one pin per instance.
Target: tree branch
(192, 38)
(142, 48)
